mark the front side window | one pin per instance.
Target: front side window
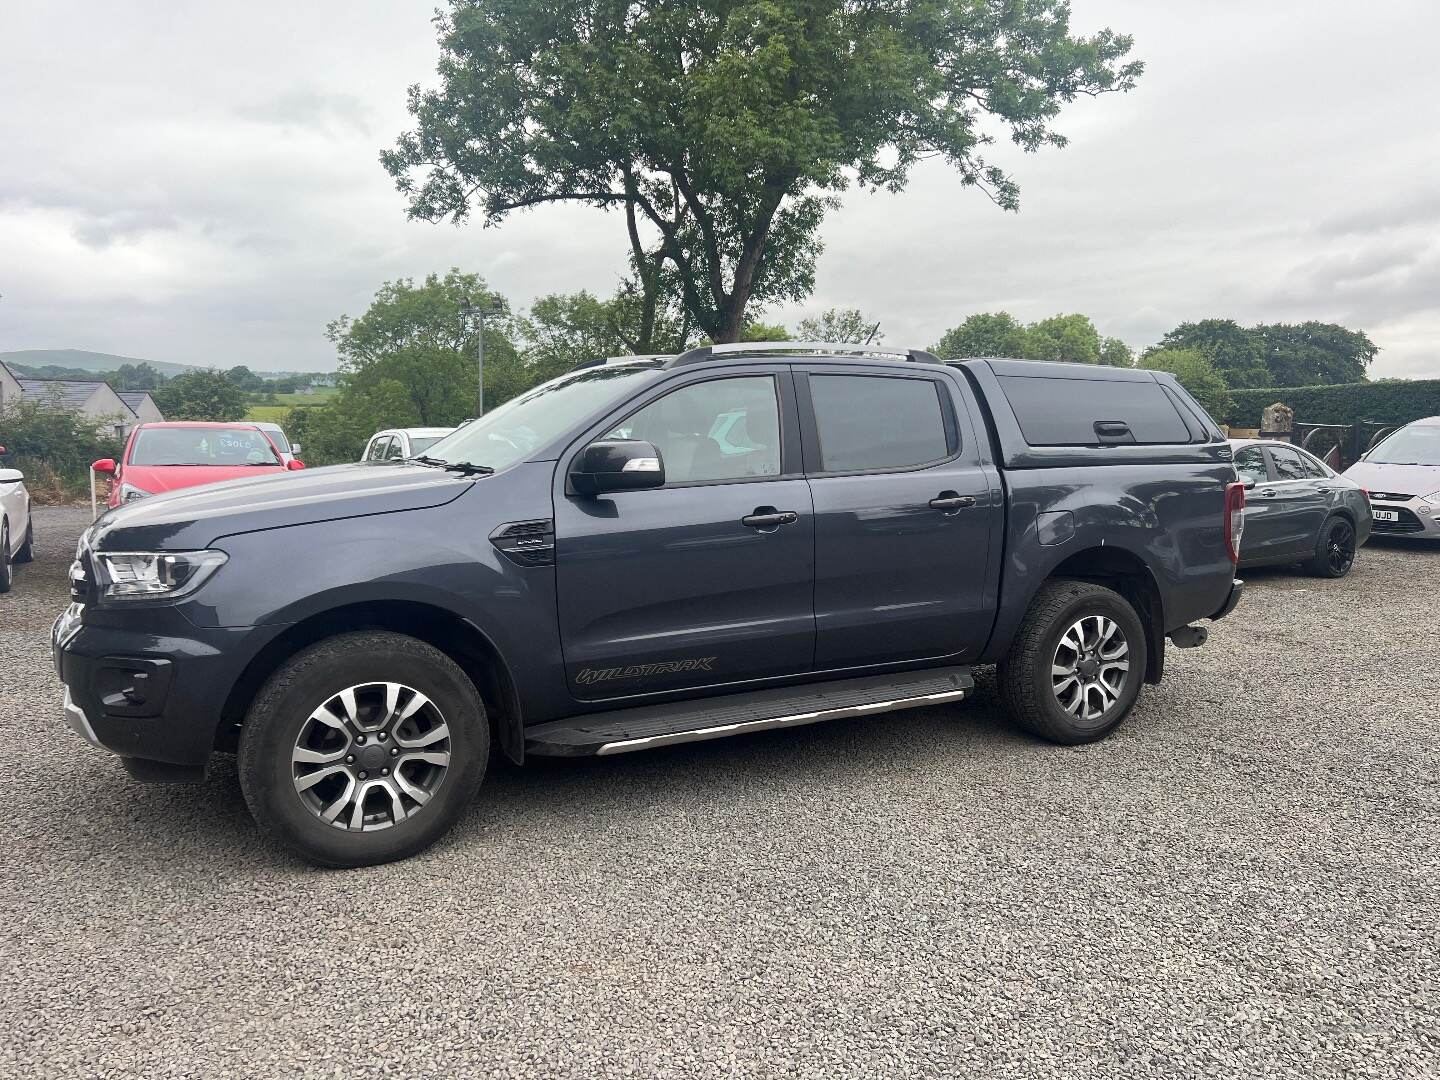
(1288, 464)
(202, 446)
(396, 450)
(723, 429)
(872, 422)
(1250, 464)
(378, 446)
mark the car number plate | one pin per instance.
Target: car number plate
(1385, 515)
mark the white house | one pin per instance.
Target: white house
(95, 400)
(142, 405)
(10, 390)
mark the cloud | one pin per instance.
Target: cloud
(184, 185)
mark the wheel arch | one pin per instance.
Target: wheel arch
(1126, 573)
(455, 636)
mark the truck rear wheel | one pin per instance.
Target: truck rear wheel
(362, 749)
(1076, 665)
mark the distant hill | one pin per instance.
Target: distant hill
(81, 360)
(69, 363)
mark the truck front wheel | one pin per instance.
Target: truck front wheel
(1076, 665)
(364, 748)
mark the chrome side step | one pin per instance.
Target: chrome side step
(720, 731)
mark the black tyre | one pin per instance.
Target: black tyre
(364, 748)
(27, 549)
(7, 570)
(1335, 551)
(1076, 665)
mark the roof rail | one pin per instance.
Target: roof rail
(740, 349)
(601, 361)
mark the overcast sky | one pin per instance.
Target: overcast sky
(199, 183)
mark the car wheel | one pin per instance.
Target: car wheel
(1335, 554)
(27, 549)
(7, 570)
(1076, 665)
(363, 749)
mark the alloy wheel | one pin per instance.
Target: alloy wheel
(371, 756)
(1340, 554)
(1090, 666)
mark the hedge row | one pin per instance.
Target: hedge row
(1391, 401)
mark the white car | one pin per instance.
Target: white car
(288, 451)
(17, 533)
(392, 444)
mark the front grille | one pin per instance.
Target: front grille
(1389, 496)
(1408, 522)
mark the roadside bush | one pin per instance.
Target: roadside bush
(54, 448)
(1388, 401)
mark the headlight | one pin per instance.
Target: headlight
(129, 493)
(136, 575)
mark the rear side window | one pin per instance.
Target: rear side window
(1250, 464)
(872, 422)
(1291, 465)
(1064, 412)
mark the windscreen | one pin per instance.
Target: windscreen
(202, 446)
(419, 445)
(524, 424)
(1418, 444)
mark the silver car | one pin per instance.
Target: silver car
(1402, 475)
(1298, 509)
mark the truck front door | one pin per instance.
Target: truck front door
(905, 516)
(709, 579)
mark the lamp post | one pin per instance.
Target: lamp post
(492, 305)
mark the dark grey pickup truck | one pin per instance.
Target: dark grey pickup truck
(650, 551)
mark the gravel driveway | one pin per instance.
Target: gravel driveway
(1244, 881)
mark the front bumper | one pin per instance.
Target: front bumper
(148, 687)
(1412, 518)
(1237, 587)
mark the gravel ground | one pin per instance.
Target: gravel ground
(1243, 881)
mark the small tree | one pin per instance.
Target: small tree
(1196, 374)
(50, 441)
(1069, 339)
(848, 325)
(984, 334)
(204, 394)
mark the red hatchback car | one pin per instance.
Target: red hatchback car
(171, 456)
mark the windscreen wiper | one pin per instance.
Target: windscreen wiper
(466, 467)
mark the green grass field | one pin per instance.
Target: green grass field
(275, 414)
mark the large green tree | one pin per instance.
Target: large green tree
(1277, 354)
(1230, 348)
(725, 128)
(202, 394)
(1070, 339)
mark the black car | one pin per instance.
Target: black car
(649, 551)
(1298, 509)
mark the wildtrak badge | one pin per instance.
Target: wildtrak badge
(588, 676)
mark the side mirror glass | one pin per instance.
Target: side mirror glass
(295, 465)
(295, 449)
(617, 465)
(104, 465)
(11, 476)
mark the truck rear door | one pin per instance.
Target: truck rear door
(904, 512)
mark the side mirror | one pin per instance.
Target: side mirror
(295, 449)
(294, 465)
(2, 450)
(11, 476)
(1249, 483)
(104, 465)
(617, 465)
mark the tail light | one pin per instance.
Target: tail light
(1234, 519)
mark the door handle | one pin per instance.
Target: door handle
(1268, 493)
(767, 517)
(1324, 490)
(949, 500)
